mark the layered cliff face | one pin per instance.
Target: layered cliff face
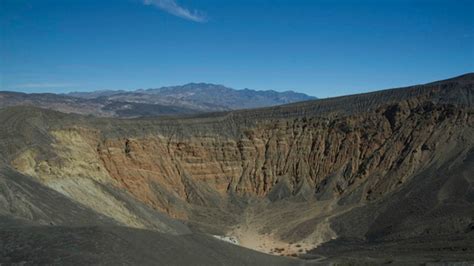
(306, 155)
(367, 155)
(314, 164)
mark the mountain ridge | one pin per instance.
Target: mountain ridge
(192, 98)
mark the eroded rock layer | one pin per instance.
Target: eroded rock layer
(304, 157)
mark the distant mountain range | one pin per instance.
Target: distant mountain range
(175, 100)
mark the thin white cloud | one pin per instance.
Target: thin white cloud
(43, 85)
(172, 7)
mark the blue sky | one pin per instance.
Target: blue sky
(322, 48)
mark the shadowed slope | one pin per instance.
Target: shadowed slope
(120, 245)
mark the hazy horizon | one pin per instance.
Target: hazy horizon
(67, 92)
